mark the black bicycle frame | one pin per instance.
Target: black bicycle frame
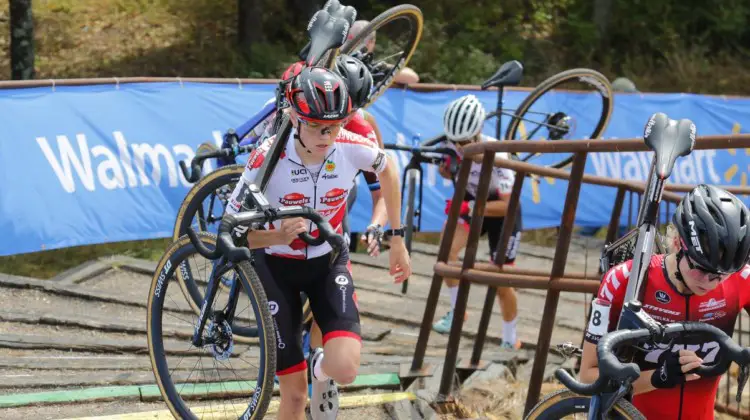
(219, 267)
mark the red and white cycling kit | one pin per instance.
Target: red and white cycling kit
(287, 270)
(323, 188)
(720, 307)
(357, 124)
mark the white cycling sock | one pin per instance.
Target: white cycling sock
(317, 369)
(454, 296)
(509, 331)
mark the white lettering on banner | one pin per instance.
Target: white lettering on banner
(116, 180)
(696, 168)
(154, 152)
(69, 157)
(125, 159)
(125, 167)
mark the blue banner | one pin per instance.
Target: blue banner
(94, 164)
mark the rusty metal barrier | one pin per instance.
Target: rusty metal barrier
(554, 281)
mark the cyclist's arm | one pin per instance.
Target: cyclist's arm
(370, 119)
(497, 208)
(389, 182)
(256, 238)
(406, 76)
(379, 212)
(264, 238)
(605, 313)
(590, 371)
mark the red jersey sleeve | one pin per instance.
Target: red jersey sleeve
(606, 306)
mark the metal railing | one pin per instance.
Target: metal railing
(554, 281)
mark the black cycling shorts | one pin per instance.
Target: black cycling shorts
(332, 299)
(493, 226)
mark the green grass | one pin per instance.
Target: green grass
(46, 264)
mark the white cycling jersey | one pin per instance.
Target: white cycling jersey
(502, 179)
(324, 188)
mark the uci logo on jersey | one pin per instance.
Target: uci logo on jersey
(662, 297)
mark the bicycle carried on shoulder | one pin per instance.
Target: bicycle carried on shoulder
(668, 139)
(204, 204)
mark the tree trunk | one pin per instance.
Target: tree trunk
(249, 24)
(21, 40)
(602, 18)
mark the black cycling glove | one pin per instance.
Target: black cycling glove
(669, 373)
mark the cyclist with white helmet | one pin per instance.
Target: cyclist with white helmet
(463, 121)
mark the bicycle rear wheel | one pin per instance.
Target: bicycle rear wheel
(399, 30)
(574, 104)
(224, 378)
(202, 209)
(566, 404)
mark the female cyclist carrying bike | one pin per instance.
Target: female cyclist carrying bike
(704, 277)
(317, 168)
(463, 121)
(359, 84)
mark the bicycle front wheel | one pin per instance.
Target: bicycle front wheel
(565, 404)
(575, 104)
(399, 30)
(222, 377)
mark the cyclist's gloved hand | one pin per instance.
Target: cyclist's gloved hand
(373, 238)
(466, 207)
(673, 367)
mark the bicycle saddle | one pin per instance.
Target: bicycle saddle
(669, 139)
(328, 29)
(509, 74)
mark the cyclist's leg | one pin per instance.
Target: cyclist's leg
(506, 296)
(286, 308)
(316, 337)
(293, 390)
(460, 238)
(334, 304)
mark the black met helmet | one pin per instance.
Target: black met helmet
(357, 77)
(714, 229)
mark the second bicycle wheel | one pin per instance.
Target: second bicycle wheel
(399, 30)
(203, 208)
(222, 378)
(573, 105)
(565, 404)
(410, 187)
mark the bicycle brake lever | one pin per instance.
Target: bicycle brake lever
(742, 380)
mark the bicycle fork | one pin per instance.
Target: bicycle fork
(220, 266)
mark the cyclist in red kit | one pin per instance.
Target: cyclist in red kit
(705, 279)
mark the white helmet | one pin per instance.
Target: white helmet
(464, 118)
